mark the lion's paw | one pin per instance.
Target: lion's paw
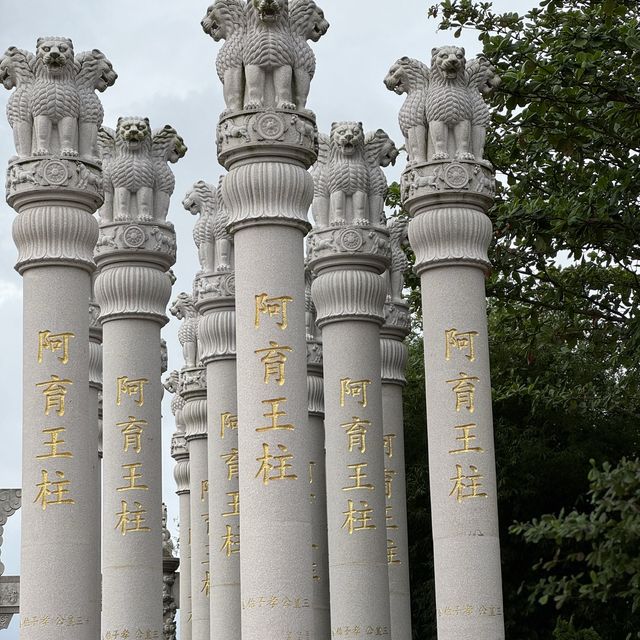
(361, 222)
(68, 152)
(287, 106)
(223, 268)
(253, 105)
(440, 156)
(41, 152)
(465, 156)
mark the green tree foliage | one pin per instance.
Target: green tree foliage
(563, 293)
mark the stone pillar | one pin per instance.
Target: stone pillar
(135, 249)
(10, 501)
(215, 300)
(317, 471)
(170, 565)
(267, 140)
(193, 389)
(396, 327)
(180, 453)
(447, 198)
(349, 250)
(54, 183)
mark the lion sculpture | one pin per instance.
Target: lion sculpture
(95, 73)
(223, 240)
(128, 171)
(184, 309)
(411, 76)
(348, 175)
(449, 107)
(172, 385)
(307, 22)
(54, 98)
(268, 55)
(380, 151)
(16, 72)
(320, 175)
(398, 232)
(167, 146)
(225, 20)
(483, 81)
(201, 201)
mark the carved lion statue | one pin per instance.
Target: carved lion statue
(320, 175)
(225, 20)
(128, 170)
(348, 175)
(184, 309)
(268, 55)
(483, 81)
(167, 146)
(398, 230)
(95, 73)
(16, 72)
(201, 200)
(380, 151)
(449, 106)
(307, 22)
(411, 76)
(55, 101)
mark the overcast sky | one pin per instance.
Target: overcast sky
(166, 72)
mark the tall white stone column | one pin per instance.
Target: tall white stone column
(448, 197)
(395, 329)
(349, 250)
(267, 140)
(54, 183)
(317, 471)
(193, 389)
(215, 300)
(180, 453)
(135, 249)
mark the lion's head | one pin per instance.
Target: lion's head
(307, 19)
(168, 144)
(200, 198)
(183, 307)
(448, 61)
(270, 11)
(223, 17)
(406, 74)
(56, 54)
(172, 382)
(96, 71)
(380, 149)
(347, 138)
(133, 132)
(14, 64)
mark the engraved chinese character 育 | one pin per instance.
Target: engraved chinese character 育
(357, 433)
(274, 359)
(54, 391)
(464, 390)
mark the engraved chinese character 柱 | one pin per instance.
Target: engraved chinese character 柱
(356, 389)
(230, 541)
(131, 521)
(358, 519)
(206, 584)
(54, 342)
(274, 467)
(461, 340)
(466, 487)
(53, 492)
(274, 307)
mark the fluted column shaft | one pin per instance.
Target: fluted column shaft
(181, 476)
(132, 290)
(349, 295)
(55, 233)
(217, 335)
(267, 194)
(450, 234)
(394, 361)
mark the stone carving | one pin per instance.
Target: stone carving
(155, 238)
(411, 76)
(169, 565)
(265, 61)
(265, 128)
(95, 74)
(307, 22)
(398, 238)
(193, 380)
(172, 385)
(168, 547)
(446, 176)
(452, 93)
(349, 184)
(164, 356)
(54, 109)
(210, 233)
(184, 309)
(397, 317)
(225, 21)
(380, 151)
(138, 181)
(10, 501)
(9, 599)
